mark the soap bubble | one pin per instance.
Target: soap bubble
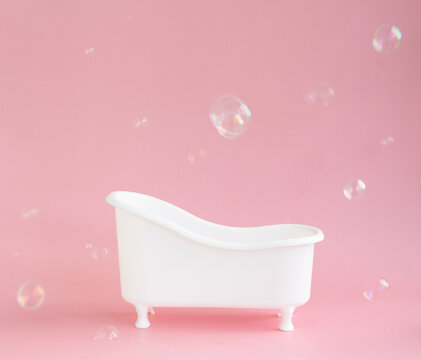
(97, 252)
(378, 291)
(30, 295)
(320, 94)
(203, 154)
(192, 158)
(89, 51)
(230, 116)
(141, 122)
(28, 212)
(388, 140)
(387, 39)
(107, 333)
(354, 189)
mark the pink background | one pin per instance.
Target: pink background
(67, 139)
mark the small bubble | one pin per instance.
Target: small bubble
(191, 158)
(354, 189)
(28, 213)
(97, 252)
(107, 333)
(141, 122)
(388, 140)
(387, 39)
(378, 291)
(30, 295)
(230, 116)
(321, 94)
(89, 51)
(201, 156)
(16, 253)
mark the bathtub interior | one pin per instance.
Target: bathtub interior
(174, 217)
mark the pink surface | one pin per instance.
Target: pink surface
(67, 139)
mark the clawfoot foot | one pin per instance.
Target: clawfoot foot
(151, 310)
(286, 322)
(142, 317)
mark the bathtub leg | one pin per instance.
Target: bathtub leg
(142, 317)
(286, 322)
(151, 310)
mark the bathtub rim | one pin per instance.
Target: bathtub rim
(115, 199)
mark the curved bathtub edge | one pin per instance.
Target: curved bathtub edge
(115, 200)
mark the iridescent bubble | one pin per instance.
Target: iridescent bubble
(30, 295)
(378, 291)
(388, 140)
(89, 51)
(107, 333)
(387, 39)
(321, 94)
(354, 189)
(230, 116)
(139, 122)
(97, 252)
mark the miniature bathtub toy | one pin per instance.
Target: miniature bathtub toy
(171, 258)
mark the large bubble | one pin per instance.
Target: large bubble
(230, 116)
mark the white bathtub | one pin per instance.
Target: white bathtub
(170, 258)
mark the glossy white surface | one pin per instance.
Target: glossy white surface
(171, 258)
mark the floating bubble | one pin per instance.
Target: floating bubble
(320, 94)
(89, 51)
(203, 154)
(378, 291)
(28, 212)
(107, 333)
(143, 122)
(97, 252)
(388, 140)
(230, 116)
(192, 158)
(30, 295)
(387, 39)
(354, 189)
